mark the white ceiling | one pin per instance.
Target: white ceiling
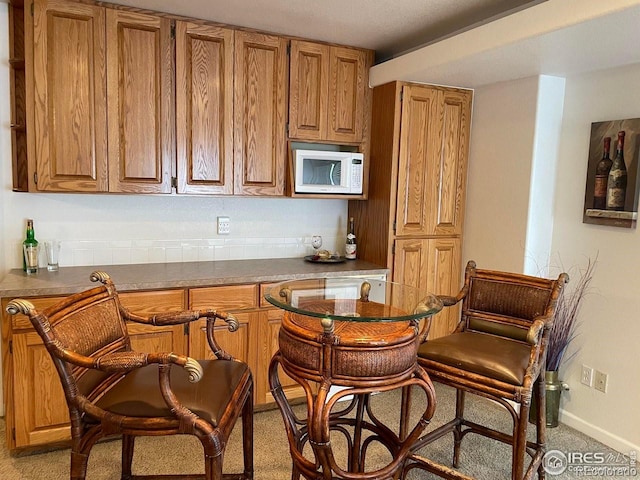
(557, 38)
(389, 27)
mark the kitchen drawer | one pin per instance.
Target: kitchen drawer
(154, 301)
(235, 297)
(264, 287)
(22, 322)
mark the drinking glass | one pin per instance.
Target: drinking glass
(316, 242)
(52, 247)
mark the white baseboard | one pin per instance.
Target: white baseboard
(609, 439)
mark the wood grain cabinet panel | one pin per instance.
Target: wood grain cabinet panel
(327, 92)
(236, 299)
(140, 100)
(433, 265)
(36, 411)
(260, 93)
(347, 84)
(204, 108)
(413, 220)
(70, 118)
(309, 90)
(419, 151)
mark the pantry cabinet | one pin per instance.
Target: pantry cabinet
(413, 221)
(328, 92)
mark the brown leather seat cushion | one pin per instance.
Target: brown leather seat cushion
(487, 355)
(138, 393)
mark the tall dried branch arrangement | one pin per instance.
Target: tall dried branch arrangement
(566, 323)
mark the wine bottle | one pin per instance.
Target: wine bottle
(350, 247)
(617, 181)
(30, 239)
(602, 177)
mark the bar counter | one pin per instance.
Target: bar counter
(149, 276)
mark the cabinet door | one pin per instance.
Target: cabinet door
(233, 299)
(149, 338)
(140, 102)
(234, 343)
(204, 108)
(309, 90)
(260, 92)
(347, 86)
(444, 278)
(70, 118)
(265, 347)
(35, 408)
(432, 265)
(420, 147)
(448, 188)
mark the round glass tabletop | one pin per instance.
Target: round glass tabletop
(353, 299)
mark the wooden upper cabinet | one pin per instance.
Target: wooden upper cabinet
(419, 150)
(140, 102)
(432, 161)
(309, 90)
(451, 167)
(70, 120)
(347, 87)
(327, 92)
(204, 108)
(260, 94)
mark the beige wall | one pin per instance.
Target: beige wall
(610, 327)
(506, 127)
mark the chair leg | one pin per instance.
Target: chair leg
(541, 422)
(128, 442)
(520, 442)
(213, 467)
(457, 433)
(247, 436)
(78, 465)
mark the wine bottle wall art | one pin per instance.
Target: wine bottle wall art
(611, 190)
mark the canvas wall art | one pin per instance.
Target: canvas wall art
(611, 191)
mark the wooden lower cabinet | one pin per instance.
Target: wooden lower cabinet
(35, 409)
(433, 265)
(266, 335)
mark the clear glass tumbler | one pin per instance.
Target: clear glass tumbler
(52, 247)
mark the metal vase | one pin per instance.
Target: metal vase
(553, 390)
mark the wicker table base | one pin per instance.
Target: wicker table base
(362, 358)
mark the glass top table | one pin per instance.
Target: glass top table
(345, 338)
(353, 299)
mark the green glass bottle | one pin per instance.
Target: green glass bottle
(30, 239)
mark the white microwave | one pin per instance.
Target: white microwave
(319, 171)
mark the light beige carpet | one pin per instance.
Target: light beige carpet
(481, 457)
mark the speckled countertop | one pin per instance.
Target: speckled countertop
(147, 276)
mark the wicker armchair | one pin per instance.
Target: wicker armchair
(112, 390)
(497, 351)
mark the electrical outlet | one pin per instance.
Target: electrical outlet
(600, 381)
(586, 377)
(224, 225)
